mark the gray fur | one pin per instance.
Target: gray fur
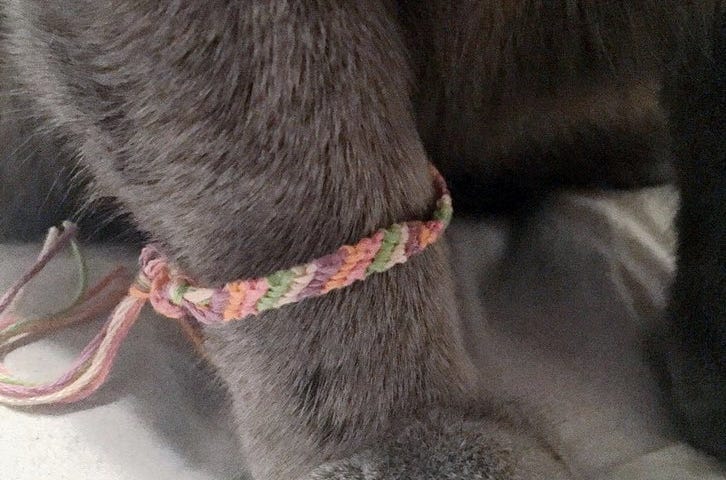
(251, 136)
(34, 187)
(443, 445)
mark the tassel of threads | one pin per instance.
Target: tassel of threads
(93, 364)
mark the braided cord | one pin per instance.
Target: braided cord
(173, 295)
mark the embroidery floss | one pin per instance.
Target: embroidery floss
(173, 295)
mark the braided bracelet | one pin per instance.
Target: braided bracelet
(173, 295)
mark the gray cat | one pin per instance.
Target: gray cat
(246, 137)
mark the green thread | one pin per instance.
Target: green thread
(391, 237)
(279, 283)
(81, 288)
(176, 295)
(444, 212)
(12, 380)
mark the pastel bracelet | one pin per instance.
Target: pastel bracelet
(174, 295)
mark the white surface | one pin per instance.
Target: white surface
(566, 308)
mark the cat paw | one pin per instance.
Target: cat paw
(454, 450)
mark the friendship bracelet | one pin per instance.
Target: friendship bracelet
(173, 295)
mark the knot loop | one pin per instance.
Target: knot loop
(159, 284)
